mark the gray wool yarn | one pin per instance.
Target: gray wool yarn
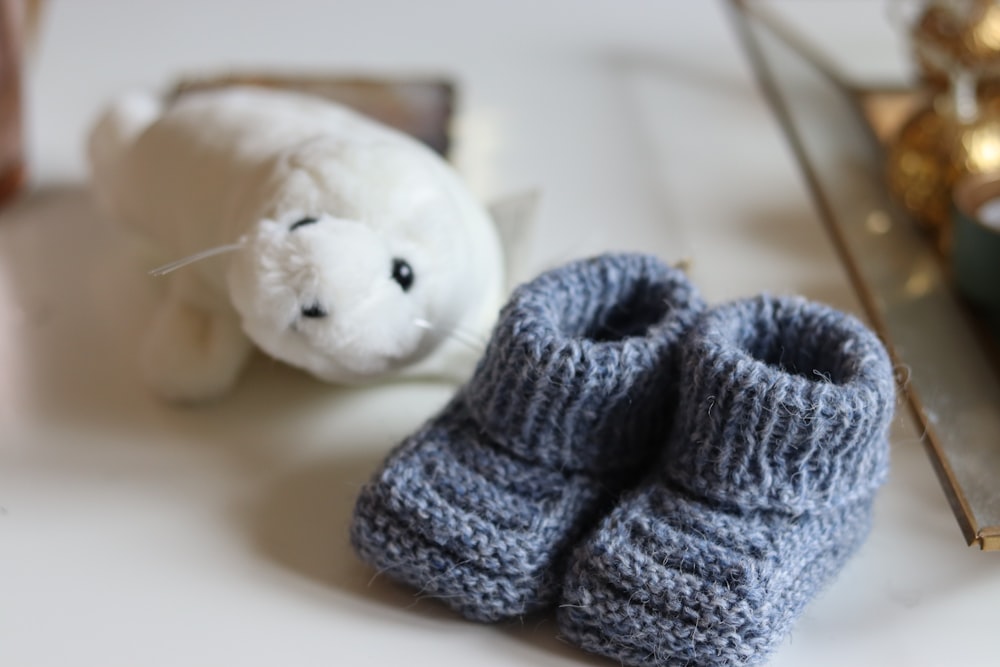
(764, 490)
(573, 395)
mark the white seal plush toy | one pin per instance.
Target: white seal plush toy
(345, 247)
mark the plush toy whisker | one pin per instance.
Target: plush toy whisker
(198, 256)
(467, 338)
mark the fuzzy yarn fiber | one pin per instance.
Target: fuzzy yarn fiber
(764, 489)
(571, 399)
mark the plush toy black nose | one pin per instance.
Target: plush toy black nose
(314, 311)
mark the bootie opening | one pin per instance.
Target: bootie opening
(643, 305)
(799, 341)
(606, 300)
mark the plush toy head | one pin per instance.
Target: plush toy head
(369, 257)
(359, 254)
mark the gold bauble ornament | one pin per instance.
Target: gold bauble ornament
(957, 34)
(932, 151)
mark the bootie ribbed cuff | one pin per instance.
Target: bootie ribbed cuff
(579, 372)
(785, 407)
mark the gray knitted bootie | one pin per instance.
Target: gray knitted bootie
(572, 397)
(764, 490)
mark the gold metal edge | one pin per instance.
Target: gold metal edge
(987, 538)
(932, 444)
(953, 491)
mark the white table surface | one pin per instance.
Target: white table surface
(135, 533)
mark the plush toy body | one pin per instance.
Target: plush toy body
(359, 252)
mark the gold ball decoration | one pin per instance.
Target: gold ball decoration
(932, 152)
(950, 34)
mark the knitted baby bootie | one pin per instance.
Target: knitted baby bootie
(764, 490)
(572, 396)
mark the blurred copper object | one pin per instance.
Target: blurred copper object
(933, 151)
(957, 133)
(12, 170)
(950, 35)
(420, 107)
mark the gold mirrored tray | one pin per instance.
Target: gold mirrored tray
(946, 363)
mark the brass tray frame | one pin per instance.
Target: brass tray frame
(947, 371)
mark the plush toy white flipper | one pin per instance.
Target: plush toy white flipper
(362, 256)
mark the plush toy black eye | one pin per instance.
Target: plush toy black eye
(314, 311)
(302, 223)
(402, 273)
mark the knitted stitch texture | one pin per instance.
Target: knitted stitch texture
(572, 397)
(765, 489)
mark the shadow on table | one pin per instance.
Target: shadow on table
(301, 524)
(75, 301)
